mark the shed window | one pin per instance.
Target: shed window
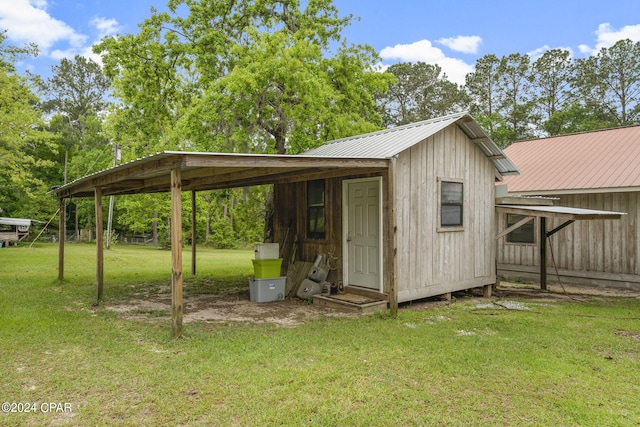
(316, 209)
(523, 234)
(451, 204)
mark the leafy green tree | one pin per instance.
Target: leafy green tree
(243, 76)
(268, 76)
(22, 141)
(551, 78)
(482, 86)
(501, 97)
(77, 92)
(611, 81)
(577, 117)
(420, 92)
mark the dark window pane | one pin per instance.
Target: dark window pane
(451, 215)
(316, 209)
(452, 192)
(451, 204)
(524, 234)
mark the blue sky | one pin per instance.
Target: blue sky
(451, 34)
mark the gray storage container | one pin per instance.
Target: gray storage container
(266, 290)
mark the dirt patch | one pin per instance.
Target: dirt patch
(234, 305)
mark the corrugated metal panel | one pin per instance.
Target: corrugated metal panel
(390, 142)
(15, 221)
(603, 159)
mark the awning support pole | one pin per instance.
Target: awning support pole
(176, 251)
(193, 233)
(543, 253)
(63, 232)
(560, 227)
(99, 245)
(392, 237)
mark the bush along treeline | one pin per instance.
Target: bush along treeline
(272, 77)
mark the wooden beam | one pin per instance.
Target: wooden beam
(193, 233)
(560, 227)
(392, 238)
(515, 226)
(63, 232)
(543, 253)
(176, 252)
(99, 246)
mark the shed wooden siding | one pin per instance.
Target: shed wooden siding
(603, 252)
(290, 207)
(431, 262)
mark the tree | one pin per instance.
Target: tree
(420, 92)
(551, 77)
(241, 76)
(22, 141)
(500, 91)
(611, 81)
(482, 86)
(245, 76)
(77, 91)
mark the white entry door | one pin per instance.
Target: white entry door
(363, 232)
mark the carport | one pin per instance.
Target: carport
(176, 172)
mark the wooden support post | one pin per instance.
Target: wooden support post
(486, 291)
(63, 232)
(193, 233)
(543, 253)
(176, 251)
(99, 246)
(392, 237)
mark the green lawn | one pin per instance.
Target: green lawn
(467, 363)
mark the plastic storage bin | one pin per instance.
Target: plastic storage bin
(266, 290)
(266, 268)
(267, 251)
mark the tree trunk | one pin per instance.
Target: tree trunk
(154, 227)
(207, 232)
(77, 224)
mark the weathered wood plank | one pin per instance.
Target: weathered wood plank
(176, 252)
(99, 246)
(62, 232)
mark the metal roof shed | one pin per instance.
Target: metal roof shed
(408, 163)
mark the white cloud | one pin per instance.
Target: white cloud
(607, 36)
(105, 26)
(423, 51)
(28, 21)
(464, 44)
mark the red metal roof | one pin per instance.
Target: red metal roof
(599, 160)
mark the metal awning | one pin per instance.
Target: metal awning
(566, 213)
(15, 221)
(562, 212)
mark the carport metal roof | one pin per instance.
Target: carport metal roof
(210, 171)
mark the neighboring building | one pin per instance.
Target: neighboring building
(13, 230)
(593, 170)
